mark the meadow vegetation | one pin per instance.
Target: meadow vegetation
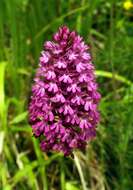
(107, 162)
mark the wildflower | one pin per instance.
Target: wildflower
(63, 106)
(127, 5)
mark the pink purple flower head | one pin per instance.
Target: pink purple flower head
(63, 107)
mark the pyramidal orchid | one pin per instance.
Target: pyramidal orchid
(63, 108)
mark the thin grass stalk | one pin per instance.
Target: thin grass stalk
(79, 18)
(112, 46)
(2, 95)
(80, 171)
(62, 175)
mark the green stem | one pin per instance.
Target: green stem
(77, 163)
(45, 179)
(116, 76)
(79, 18)
(62, 176)
(111, 52)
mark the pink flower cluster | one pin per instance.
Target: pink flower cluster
(63, 108)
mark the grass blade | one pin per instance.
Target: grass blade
(2, 93)
(117, 77)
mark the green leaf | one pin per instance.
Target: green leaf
(19, 118)
(23, 173)
(71, 186)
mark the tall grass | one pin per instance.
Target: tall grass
(107, 163)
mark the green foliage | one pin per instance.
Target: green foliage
(107, 163)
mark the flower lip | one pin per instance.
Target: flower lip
(45, 57)
(65, 78)
(73, 88)
(77, 100)
(80, 67)
(84, 124)
(72, 56)
(52, 87)
(60, 64)
(50, 75)
(58, 98)
(66, 109)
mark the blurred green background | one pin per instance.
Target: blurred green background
(107, 163)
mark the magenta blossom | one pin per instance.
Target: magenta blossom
(63, 108)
